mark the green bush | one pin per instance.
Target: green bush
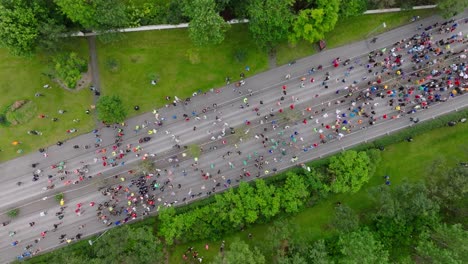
(110, 109)
(175, 14)
(68, 68)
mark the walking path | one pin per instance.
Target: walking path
(93, 61)
(233, 21)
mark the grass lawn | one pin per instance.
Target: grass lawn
(20, 79)
(403, 161)
(349, 30)
(127, 67)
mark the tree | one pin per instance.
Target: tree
(293, 193)
(270, 21)
(380, 4)
(240, 252)
(268, 201)
(129, 245)
(450, 8)
(312, 24)
(25, 25)
(445, 244)
(278, 236)
(206, 25)
(349, 170)
(80, 11)
(402, 212)
(175, 14)
(247, 196)
(318, 253)
(99, 15)
(168, 227)
(361, 247)
(294, 259)
(111, 109)
(345, 219)
(50, 33)
(236, 211)
(449, 187)
(314, 181)
(352, 8)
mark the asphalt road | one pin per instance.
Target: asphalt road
(34, 197)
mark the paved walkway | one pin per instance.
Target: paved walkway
(93, 62)
(233, 21)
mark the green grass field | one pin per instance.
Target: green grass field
(181, 67)
(21, 79)
(349, 30)
(127, 67)
(402, 162)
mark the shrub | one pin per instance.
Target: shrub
(13, 213)
(111, 110)
(68, 68)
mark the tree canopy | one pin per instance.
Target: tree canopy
(129, 245)
(444, 244)
(206, 25)
(25, 25)
(294, 193)
(402, 212)
(361, 247)
(110, 109)
(350, 8)
(269, 21)
(312, 24)
(345, 219)
(240, 252)
(451, 8)
(349, 170)
(96, 14)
